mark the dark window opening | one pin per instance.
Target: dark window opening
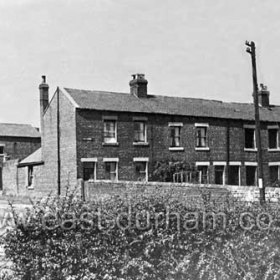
(274, 174)
(88, 171)
(15, 148)
(250, 138)
(1, 150)
(30, 176)
(233, 175)
(141, 171)
(251, 176)
(1, 179)
(273, 138)
(219, 174)
(203, 174)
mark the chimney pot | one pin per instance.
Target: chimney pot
(138, 85)
(264, 96)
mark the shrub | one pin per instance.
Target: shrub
(164, 170)
(66, 238)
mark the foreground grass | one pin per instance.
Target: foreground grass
(148, 236)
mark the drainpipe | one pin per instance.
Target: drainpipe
(58, 145)
(228, 151)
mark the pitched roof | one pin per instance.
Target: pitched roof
(34, 158)
(18, 130)
(124, 102)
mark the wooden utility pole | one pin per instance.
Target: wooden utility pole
(251, 49)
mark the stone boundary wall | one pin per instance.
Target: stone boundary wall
(190, 192)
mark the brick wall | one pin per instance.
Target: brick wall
(90, 138)
(20, 147)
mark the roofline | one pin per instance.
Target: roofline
(71, 99)
(179, 115)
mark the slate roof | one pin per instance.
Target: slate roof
(125, 102)
(18, 130)
(35, 157)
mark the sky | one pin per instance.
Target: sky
(185, 48)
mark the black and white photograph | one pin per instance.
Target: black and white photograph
(139, 140)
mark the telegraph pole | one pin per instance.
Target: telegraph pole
(251, 49)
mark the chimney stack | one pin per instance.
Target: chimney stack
(138, 86)
(264, 96)
(44, 100)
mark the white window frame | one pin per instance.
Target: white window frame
(113, 120)
(115, 160)
(178, 125)
(273, 127)
(206, 126)
(146, 160)
(249, 126)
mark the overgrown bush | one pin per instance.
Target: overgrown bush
(164, 170)
(152, 236)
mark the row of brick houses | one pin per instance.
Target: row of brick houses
(98, 135)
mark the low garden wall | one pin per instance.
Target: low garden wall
(192, 193)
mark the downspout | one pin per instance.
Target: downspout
(58, 146)
(17, 178)
(228, 151)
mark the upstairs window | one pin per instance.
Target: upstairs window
(139, 132)
(201, 136)
(250, 139)
(111, 170)
(175, 134)
(110, 131)
(273, 140)
(1, 150)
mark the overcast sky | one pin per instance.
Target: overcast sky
(185, 48)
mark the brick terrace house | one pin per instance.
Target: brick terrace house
(17, 141)
(97, 135)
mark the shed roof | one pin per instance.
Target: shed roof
(34, 158)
